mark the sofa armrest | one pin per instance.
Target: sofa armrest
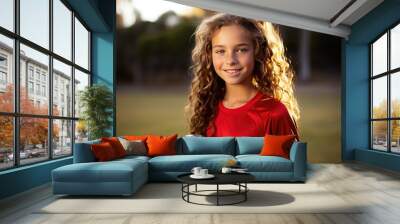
(298, 155)
(83, 152)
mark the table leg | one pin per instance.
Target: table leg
(245, 193)
(217, 194)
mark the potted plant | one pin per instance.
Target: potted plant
(96, 102)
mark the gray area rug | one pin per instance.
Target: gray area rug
(166, 198)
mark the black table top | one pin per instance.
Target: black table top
(220, 178)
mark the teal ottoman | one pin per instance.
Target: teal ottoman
(118, 177)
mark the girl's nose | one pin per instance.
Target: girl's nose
(231, 58)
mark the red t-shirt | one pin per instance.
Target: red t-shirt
(259, 116)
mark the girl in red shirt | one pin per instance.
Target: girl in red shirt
(242, 82)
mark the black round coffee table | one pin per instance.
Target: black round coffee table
(238, 179)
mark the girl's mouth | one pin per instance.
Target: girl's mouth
(232, 71)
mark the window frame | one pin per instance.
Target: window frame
(388, 74)
(16, 115)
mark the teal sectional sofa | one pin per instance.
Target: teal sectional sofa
(125, 176)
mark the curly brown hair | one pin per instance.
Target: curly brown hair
(272, 73)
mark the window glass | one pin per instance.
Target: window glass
(379, 135)
(34, 21)
(7, 14)
(62, 29)
(62, 91)
(81, 131)
(39, 61)
(62, 137)
(395, 136)
(33, 140)
(395, 95)
(81, 81)
(6, 74)
(34, 81)
(379, 97)
(379, 56)
(6, 142)
(81, 45)
(395, 47)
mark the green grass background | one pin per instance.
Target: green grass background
(160, 111)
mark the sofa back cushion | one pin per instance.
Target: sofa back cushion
(83, 152)
(196, 145)
(249, 145)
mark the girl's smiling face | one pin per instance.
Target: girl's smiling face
(233, 54)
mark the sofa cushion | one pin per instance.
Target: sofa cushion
(116, 145)
(161, 145)
(111, 171)
(249, 145)
(132, 158)
(185, 163)
(103, 151)
(257, 163)
(83, 152)
(194, 145)
(277, 145)
(134, 147)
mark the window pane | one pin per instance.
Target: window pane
(62, 138)
(33, 139)
(35, 21)
(81, 45)
(379, 55)
(81, 81)
(7, 14)
(395, 47)
(379, 97)
(379, 135)
(62, 29)
(34, 97)
(81, 131)
(6, 74)
(62, 89)
(6, 142)
(395, 136)
(395, 94)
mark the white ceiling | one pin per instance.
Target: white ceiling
(325, 16)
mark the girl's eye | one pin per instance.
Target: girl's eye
(219, 51)
(242, 50)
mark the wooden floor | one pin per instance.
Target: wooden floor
(378, 189)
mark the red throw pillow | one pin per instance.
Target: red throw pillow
(116, 145)
(103, 152)
(277, 145)
(161, 145)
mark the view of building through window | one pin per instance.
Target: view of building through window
(37, 85)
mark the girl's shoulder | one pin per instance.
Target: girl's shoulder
(270, 104)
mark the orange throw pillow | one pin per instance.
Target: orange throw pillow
(277, 145)
(135, 137)
(116, 145)
(103, 152)
(161, 145)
